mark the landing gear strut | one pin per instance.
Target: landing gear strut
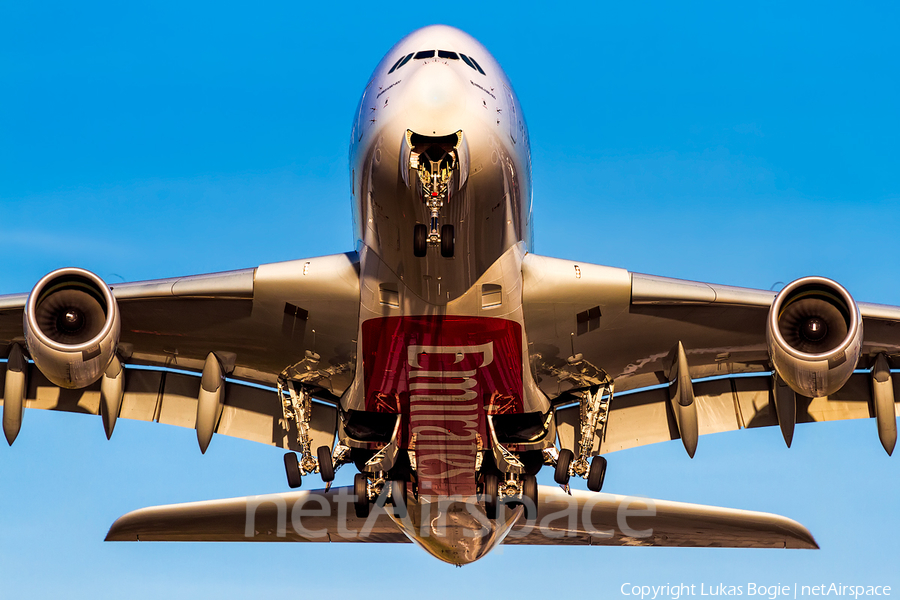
(422, 237)
(297, 407)
(367, 491)
(436, 162)
(509, 489)
(595, 403)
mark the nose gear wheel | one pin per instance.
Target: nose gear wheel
(420, 240)
(436, 163)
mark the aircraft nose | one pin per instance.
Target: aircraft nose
(436, 97)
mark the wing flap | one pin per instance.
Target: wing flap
(644, 416)
(170, 397)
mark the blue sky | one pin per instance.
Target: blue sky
(739, 144)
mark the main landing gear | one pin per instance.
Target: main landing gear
(384, 476)
(596, 473)
(594, 414)
(297, 407)
(510, 490)
(368, 491)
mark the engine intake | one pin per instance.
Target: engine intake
(71, 327)
(814, 334)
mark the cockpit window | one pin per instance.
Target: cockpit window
(396, 64)
(422, 54)
(471, 62)
(400, 62)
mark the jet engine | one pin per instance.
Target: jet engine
(71, 327)
(814, 334)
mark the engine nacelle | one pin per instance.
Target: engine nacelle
(72, 327)
(814, 333)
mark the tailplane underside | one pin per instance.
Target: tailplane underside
(581, 518)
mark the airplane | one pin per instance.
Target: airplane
(442, 358)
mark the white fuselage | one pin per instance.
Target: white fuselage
(442, 343)
(438, 97)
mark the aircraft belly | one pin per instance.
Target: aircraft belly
(444, 368)
(443, 374)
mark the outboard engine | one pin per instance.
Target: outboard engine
(72, 327)
(814, 334)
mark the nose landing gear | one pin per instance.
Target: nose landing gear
(422, 237)
(420, 240)
(437, 165)
(447, 241)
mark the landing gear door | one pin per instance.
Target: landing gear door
(513, 116)
(462, 154)
(405, 152)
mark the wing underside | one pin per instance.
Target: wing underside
(292, 321)
(587, 321)
(299, 319)
(168, 396)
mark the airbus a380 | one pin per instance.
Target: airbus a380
(442, 359)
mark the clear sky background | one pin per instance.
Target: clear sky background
(745, 144)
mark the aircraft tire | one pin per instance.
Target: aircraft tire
(420, 240)
(530, 497)
(448, 241)
(292, 469)
(326, 466)
(597, 474)
(361, 491)
(491, 494)
(561, 474)
(398, 497)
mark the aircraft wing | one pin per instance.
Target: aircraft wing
(297, 318)
(582, 518)
(580, 317)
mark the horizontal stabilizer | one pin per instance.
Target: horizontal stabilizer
(582, 518)
(302, 516)
(589, 518)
